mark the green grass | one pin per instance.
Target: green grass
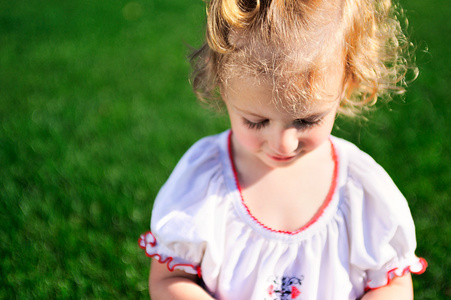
(96, 109)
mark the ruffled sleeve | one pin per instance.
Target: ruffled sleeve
(381, 227)
(178, 234)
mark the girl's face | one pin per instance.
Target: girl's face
(271, 135)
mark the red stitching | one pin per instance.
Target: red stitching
(166, 261)
(315, 217)
(391, 272)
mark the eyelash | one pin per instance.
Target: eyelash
(256, 126)
(301, 124)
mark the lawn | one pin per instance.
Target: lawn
(96, 109)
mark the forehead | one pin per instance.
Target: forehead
(294, 91)
(257, 96)
(295, 81)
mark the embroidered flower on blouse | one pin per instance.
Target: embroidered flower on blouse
(284, 288)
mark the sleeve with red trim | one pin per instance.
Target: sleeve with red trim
(380, 224)
(184, 207)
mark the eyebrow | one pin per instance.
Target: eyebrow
(317, 115)
(248, 113)
(313, 116)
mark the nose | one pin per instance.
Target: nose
(284, 142)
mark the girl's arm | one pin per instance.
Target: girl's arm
(164, 284)
(400, 288)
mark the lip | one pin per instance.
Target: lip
(282, 158)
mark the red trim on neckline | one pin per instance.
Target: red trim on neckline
(314, 218)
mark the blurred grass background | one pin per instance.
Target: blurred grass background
(96, 109)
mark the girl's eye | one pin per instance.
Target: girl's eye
(255, 125)
(306, 124)
(299, 123)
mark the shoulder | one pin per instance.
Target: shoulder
(352, 155)
(198, 174)
(369, 197)
(368, 193)
(203, 150)
(360, 168)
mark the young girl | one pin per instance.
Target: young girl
(277, 208)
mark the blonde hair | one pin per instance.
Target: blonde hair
(293, 42)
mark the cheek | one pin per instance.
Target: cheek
(248, 140)
(245, 137)
(318, 135)
(316, 139)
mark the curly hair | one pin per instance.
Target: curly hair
(292, 43)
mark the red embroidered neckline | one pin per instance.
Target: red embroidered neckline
(315, 217)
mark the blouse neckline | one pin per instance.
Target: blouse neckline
(318, 215)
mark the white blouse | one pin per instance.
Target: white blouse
(362, 237)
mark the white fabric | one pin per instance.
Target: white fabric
(364, 237)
